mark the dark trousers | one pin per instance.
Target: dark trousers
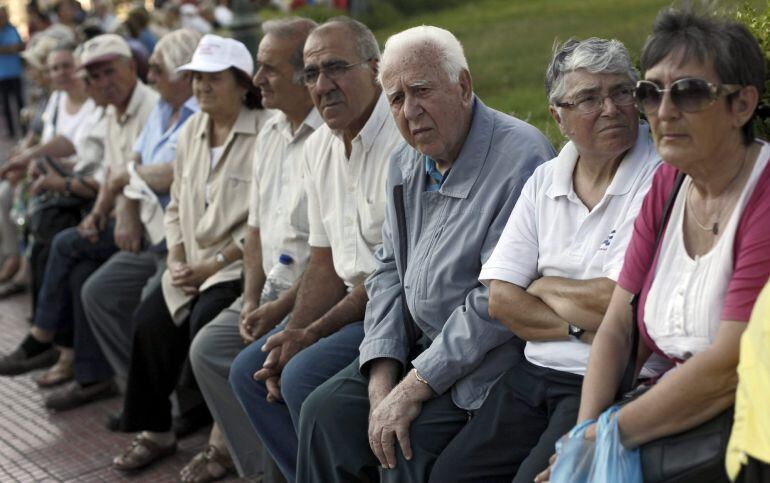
(11, 89)
(515, 431)
(72, 259)
(754, 472)
(159, 353)
(333, 443)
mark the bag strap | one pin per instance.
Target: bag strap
(629, 375)
(409, 326)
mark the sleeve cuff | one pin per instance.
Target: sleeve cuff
(380, 349)
(506, 275)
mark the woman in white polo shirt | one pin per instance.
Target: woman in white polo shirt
(555, 265)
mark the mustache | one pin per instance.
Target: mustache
(331, 97)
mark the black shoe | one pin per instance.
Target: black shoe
(17, 362)
(75, 395)
(191, 421)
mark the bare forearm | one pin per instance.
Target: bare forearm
(11, 49)
(693, 393)
(157, 176)
(320, 289)
(254, 275)
(524, 314)
(348, 310)
(383, 376)
(58, 147)
(580, 302)
(84, 187)
(176, 253)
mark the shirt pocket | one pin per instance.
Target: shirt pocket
(372, 217)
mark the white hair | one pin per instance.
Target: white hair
(442, 46)
(176, 49)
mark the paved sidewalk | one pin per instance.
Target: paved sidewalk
(39, 445)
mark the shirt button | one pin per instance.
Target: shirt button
(351, 189)
(348, 221)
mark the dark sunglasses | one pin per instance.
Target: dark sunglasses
(688, 95)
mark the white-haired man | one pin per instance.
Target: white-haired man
(451, 188)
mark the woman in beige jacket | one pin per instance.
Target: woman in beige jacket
(205, 225)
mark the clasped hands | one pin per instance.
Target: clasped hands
(189, 276)
(280, 348)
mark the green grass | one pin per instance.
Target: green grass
(508, 44)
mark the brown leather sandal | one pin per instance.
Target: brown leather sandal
(141, 452)
(211, 464)
(59, 373)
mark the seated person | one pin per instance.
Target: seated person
(277, 227)
(703, 78)
(460, 174)
(344, 166)
(553, 270)
(205, 226)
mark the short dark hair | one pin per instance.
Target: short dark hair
(253, 97)
(729, 45)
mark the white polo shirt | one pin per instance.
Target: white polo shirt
(346, 196)
(278, 204)
(551, 233)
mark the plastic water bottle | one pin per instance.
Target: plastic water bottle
(278, 280)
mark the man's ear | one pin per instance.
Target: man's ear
(466, 85)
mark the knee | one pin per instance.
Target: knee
(200, 348)
(242, 370)
(64, 241)
(319, 410)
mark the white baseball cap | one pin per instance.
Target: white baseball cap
(215, 54)
(103, 48)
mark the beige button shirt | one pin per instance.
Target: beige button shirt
(346, 197)
(207, 229)
(122, 132)
(278, 201)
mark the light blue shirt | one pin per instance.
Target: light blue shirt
(10, 64)
(450, 233)
(156, 143)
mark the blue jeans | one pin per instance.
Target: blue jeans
(278, 423)
(71, 261)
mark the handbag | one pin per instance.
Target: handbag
(50, 212)
(696, 454)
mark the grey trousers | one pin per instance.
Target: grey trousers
(333, 443)
(110, 297)
(211, 353)
(9, 231)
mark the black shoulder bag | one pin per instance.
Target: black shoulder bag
(696, 455)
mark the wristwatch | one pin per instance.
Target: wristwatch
(575, 331)
(220, 258)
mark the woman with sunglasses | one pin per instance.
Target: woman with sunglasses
(698, 284)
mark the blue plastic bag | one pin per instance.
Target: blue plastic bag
(613, 463)
(574, 456)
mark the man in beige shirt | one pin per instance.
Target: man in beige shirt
(344, 166)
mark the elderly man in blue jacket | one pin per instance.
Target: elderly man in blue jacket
(431, 353)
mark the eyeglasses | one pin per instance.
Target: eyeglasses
(591, 103)
(688, 95)
(332, 71)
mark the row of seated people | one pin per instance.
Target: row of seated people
(371, 275)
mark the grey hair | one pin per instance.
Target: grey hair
(440, 44)
(364, 40)
(176, 49)
(597, 56)
(290, 28)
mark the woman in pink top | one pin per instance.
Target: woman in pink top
(703, 79)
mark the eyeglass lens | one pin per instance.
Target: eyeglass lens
(688, 95)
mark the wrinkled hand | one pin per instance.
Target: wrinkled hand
(128, 233)
(257, 321)
(290, 342)
(50, 181)
(390, 422)
(90, 227)
(190, 276)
